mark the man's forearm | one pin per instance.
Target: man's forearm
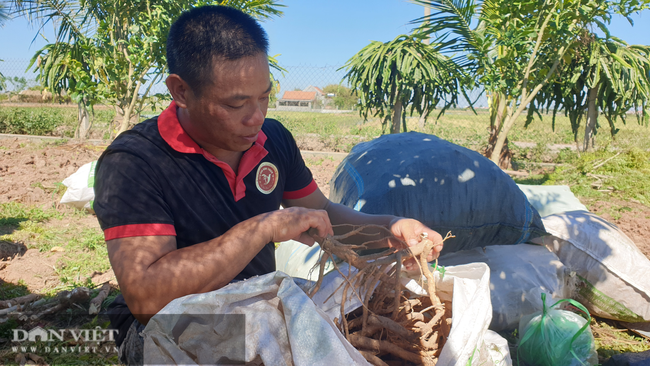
(343, 215)
(152, 272)
(199, 268)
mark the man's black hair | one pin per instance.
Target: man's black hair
(206, 34)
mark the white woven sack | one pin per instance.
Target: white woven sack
(549, 200)
(299, 260)
(81, 187)
(613, 274)
(282, 327)
(519, 274)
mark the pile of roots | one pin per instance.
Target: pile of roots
(394, 326)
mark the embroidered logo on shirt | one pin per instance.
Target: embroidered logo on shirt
(267, 178)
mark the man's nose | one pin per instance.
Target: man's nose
(257, 117)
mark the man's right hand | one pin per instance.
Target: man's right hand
(294, 223)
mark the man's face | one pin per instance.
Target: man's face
(229, 114)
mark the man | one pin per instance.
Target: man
(189, 200)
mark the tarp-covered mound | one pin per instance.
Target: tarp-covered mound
(445, 186)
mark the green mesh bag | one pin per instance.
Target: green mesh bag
(557, 337)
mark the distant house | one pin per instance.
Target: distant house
(297, 100)
(311, 88)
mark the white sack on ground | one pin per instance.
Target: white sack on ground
(518, 276)
(549, 200)
(613, 272)
(81, 191)
(283, 327)
(469, 338)
(299, 260)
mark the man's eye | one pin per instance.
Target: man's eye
(235, 106)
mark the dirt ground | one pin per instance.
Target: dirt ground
(31, 173)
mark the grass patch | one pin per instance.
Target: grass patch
(84, 248)
(462, 127)
(12, 290)
(85, 253)
(604, 174)
(67, 351)
(49, 121)
(318, 161)
(611, 341)
(15, 215)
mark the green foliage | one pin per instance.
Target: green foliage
(47, 121)
(118, 46)
(14, 213)
(85, 253)
(300, 123)
(3, 84)
(344, 97)
(605, 173)
(30, 121)
(611, 341)
(85, 249)
(4, 16)
(619, 73)
(19, 84)
(516, 46)
(10, 290)
(403, 74)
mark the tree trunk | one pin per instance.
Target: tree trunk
(397, 117)
(84, 121)
(422, 121)
(592, 117)
(126, 121)
(501, 154)
(497, 115)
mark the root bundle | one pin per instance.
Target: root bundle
(393, 324)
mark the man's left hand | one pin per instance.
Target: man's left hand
(410, 231)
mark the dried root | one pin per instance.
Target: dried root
(393, 324)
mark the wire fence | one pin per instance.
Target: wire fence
(18, 76)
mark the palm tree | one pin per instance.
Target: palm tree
(606, 76)
(515, 47)
(404, 73)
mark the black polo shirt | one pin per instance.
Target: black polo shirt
(155, 180)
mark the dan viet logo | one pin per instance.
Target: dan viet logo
(86, 340)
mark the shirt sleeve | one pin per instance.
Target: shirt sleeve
(128, 200)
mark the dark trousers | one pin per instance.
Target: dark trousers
(131, 351)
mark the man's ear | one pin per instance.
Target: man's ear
(179, 90)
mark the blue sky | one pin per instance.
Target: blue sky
(312, 33)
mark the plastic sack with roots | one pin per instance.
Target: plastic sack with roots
(557, 337)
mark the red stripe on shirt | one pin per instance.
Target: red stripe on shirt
(127, 231)
(294, 195)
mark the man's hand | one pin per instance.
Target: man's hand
(294, 223)
(409, 231)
